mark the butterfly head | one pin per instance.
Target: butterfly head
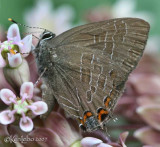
(44, 41)
(47, 35)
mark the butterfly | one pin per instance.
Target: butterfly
(86, 67)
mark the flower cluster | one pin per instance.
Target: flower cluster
(22, 107)
(14, 49)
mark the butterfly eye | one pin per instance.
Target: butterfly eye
(48, 35)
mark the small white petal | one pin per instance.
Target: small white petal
(90, 142)
(40, 108)
(27, 125)
(27, 88)
(14, 60)
(6, 96)
(27, 44)
(104, 145)
(13, 32)
(6, 117)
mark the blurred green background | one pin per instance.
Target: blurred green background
(18, 8)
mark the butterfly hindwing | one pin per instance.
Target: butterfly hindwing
(92, 63)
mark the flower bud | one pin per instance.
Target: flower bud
(17, 76)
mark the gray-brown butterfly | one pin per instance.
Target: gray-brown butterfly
(87, 67)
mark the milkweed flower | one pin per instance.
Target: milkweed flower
(12, 53)
(22, 107)
(92, 141)
(14, 49)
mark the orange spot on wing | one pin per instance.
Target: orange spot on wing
(86, 115)
(102, 114)
(106, 102)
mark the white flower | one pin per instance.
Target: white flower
(14, 49)
(21, 106)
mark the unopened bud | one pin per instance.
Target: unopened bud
(17, 76)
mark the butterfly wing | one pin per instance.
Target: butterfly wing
(93, 61)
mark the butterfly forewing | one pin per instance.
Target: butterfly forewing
(93, 61)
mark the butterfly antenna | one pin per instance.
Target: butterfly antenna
(11, 20)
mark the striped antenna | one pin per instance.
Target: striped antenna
(11, 20)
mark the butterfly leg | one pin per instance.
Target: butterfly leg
(40, 77)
